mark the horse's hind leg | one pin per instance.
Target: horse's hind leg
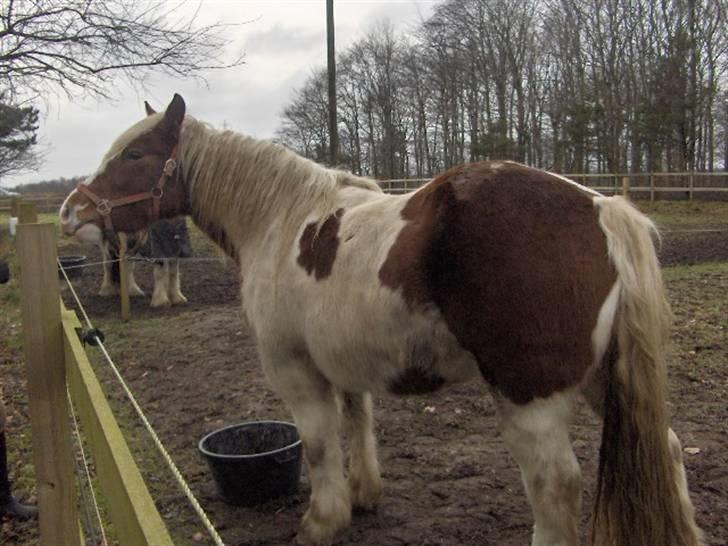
(312, 401)
(160, 296)
(133, 287)
(682, 482)
(174, 285)
(537, 436)
(365, 482)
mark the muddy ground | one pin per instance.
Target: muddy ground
(448, 477)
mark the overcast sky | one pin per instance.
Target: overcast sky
(283, 42)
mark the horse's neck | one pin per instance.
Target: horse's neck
(240, 188)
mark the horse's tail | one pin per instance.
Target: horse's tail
(642, 496)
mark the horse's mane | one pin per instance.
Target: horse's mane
(256, 179)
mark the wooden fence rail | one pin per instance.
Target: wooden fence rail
(682, 185)
(651, 184)
(55, 357)
(44, 202)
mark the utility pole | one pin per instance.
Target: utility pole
(333, 125)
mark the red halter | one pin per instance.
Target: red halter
(105, 206)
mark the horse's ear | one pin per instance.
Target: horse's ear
(149, 109)
(175, 113)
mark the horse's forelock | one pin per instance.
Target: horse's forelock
(122, 141)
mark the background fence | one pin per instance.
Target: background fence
(652, 186)
(44, 202)
(674, 186)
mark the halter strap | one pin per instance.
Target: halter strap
(105, 206)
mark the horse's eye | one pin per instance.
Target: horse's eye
(133, 155)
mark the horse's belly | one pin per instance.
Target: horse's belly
(414, 356)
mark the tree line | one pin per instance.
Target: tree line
(567, 85)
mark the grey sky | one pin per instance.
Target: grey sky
(283, 41)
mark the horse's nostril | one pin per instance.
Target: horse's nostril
(65, 213)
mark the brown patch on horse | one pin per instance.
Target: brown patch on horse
(517, 264)
(319, 246)
(407, 260)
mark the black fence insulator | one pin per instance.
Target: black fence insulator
(91, 336)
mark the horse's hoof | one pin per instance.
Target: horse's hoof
(306, 539)
(136, 293)
(365, 499)
(159, 303)
(177, 299)
(109, 290)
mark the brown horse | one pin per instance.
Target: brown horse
(546, 289)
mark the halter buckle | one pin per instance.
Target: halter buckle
(103, 207)
(157, 192)
(169, 166)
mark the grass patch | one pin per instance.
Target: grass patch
(687, 214)
(681, 271)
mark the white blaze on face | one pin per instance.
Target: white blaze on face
(71, 223)
(69, 213)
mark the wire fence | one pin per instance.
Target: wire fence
(181, 482)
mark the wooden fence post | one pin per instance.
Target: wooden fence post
(27, 213)
(652, 187)
(625, 186)
(44, 361)
(124, 277)
(691, 185)
(14, 204)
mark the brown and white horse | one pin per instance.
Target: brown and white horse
(167, 289)
(545, 288)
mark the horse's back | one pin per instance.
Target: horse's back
(515, 261)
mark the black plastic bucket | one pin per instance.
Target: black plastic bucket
(254, 462)
(70, 266)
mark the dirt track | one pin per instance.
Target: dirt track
(448, 477)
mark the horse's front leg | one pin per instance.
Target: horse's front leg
(312, 401)
(365, 482)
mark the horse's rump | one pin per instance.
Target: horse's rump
(517, 264)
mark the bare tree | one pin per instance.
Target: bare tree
(571, 85)
(305, 120)
(80, 46)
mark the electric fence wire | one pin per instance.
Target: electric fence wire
(140, 413)
(90, 528)
(223, 259)
(145, 260)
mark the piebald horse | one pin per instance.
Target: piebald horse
(547, 290)
(167, 286)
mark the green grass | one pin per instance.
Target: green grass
(686, 214)
(680, 271)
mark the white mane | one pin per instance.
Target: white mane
(256, 180)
